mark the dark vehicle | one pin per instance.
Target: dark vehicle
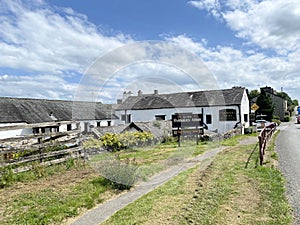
(298, 119)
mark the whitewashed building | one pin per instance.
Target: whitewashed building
(21, 117)
(221, 110)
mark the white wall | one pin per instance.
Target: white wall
(15, 133)
(219, 126)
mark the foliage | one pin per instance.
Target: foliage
(92, 143)
(290, 103)
(111, 142)
(276, 121)
(6, 176)
(116, 142)
(295, 102)
(122, 174)
(287, 119)
(253, 94)
(266, 106)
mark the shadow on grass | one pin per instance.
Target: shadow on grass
(250, 156)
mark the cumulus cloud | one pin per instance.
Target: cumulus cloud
(249, 69)
(41, 39)
(270, 24)
(43, 86)
(49, 39)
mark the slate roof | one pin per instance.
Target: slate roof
(15, 110)
(185, 99)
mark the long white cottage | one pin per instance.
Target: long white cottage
(22, 117)
(221, 110)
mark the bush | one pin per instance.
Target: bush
(276, 121)
(6, 176)
(286, 119)
(116, 142)
(123, 175)
(111, 142)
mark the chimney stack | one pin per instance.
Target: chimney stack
(155, 92)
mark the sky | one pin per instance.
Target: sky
(95, 50)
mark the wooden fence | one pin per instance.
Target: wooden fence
(20, 160)
(264, 136)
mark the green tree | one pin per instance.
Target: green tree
(291, 104)
(253, 94)
(266, 106)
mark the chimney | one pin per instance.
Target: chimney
(155, 92)
(126, 95)
(140, 93)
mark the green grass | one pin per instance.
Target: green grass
(226, 193)
(151, 160)
(50, 206)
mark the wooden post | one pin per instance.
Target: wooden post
(178, 136)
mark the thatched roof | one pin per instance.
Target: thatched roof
(185, 99)
(16, 110)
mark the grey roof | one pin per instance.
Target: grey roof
(185, 99)
(13, 110)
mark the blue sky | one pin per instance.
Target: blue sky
(49, 47)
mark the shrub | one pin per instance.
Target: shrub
(276, 121)
(116, 142)
(286, 119)
(6, 176)
(111, 142)
(123, 175)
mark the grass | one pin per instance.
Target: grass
(226, 193)
(151, 160)
(62, 192)
(50, 205)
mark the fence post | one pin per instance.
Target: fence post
(264, 136)
(261, 156)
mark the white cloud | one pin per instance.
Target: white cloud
(234, 67)
(45, 86)
(41, 39)
(47, 39)
(270, 24)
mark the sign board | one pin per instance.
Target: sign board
(187, 124)
(188, 132)
(254, 107)
(187, 120)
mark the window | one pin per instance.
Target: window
(227, 115)
(108, 123)
(246, 117)
(69, 127)
(160, 117)
(98, 124)
(126, 118)
(208, 119)
(129, 118)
